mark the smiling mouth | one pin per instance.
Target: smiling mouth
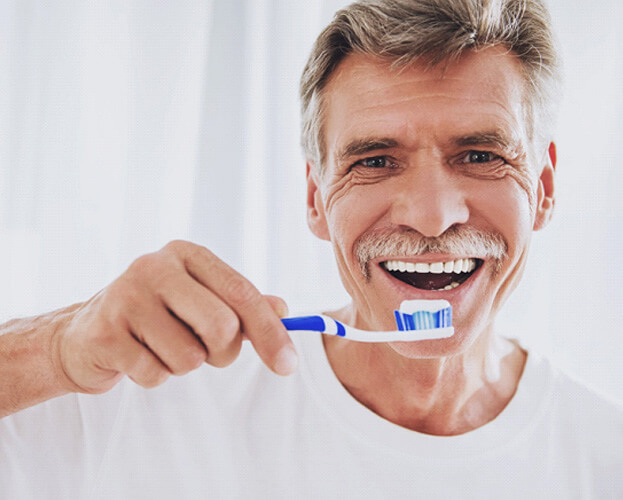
(435, 276)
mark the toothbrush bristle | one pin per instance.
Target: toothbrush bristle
(424, 320)
(399, 323)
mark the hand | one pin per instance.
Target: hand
(168, 313)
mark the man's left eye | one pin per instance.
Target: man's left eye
(374, 162)
(480, 157)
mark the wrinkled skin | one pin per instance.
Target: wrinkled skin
(428, 149)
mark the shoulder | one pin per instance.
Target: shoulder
(575, 408)
(574, 394)
(578, 429)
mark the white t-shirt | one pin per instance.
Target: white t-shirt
(245, 433)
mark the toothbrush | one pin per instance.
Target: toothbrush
(415, 320)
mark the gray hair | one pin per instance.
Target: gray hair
(403, 31)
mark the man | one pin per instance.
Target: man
(427, 128)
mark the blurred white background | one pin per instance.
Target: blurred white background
(127, 123)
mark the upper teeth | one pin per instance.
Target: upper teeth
(451, 266)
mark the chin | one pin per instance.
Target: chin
(437, 348)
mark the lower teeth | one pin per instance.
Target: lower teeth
(451, 286)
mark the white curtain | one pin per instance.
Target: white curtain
(127, 123)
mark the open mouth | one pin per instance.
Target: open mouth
(434, 276)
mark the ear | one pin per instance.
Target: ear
(545, 191)
(316, 218)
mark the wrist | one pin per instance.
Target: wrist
(29, 361)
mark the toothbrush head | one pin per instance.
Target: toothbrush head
(423, 315)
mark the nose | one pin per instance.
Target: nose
(430, 198)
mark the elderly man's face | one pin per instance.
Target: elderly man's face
(429, 170)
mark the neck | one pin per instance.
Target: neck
(441, 396)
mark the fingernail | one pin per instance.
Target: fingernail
(287, 361)
(283, 310)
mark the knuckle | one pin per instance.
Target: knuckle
(189, 360)
(157, 377)
(221, 343)
(145, 265)
(120, 299)
(124, 294)
(142, 274)
(154, 379)
(176, 246)
(222, 362)
(138, 363)
(227, 357)
(195, 358)
(225, 325)
(151, 374)
(200, 254)
(239, 291)
(222, 330)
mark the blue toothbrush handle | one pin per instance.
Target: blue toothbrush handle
(315, 324)
(312, 323)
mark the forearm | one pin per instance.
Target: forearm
(30, 372)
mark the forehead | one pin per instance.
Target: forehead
(481, 91)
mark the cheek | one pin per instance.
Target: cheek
(527, 183)
(507, 206)
(351, 212)
(522, 176)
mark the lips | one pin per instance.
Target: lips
(435, 276)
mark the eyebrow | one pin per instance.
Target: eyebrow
(493, 138)
(362, 146)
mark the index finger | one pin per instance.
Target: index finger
(258, 320)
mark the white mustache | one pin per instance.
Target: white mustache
(464, 241)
